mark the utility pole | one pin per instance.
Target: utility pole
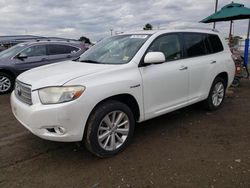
(216, 8)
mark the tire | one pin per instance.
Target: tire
(6, 83)
(100, 123)
(236, 82)
(245, 73)
(211, 103)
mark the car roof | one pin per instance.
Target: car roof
(52, 42)
(184, 29)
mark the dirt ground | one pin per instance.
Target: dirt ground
(187, 148)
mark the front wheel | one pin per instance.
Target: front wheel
(109, 129)
(216, 95)
(6, 83)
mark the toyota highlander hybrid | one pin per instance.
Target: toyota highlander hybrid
(122, 80)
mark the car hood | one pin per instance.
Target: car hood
(59, 73)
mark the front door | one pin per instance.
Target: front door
(36, 56)
(165, 86)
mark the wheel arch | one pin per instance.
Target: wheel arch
(6, 71)
(224, 76)
(125, 98)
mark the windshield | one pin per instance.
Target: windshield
(114, 50)
(11, 51)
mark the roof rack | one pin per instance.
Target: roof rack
(200, 28)
(53, 40)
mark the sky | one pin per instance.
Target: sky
(95, 18)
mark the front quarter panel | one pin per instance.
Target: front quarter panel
(125, 79)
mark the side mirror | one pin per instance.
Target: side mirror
(22, 56)
(154, 57)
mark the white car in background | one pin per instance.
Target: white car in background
(122, 80)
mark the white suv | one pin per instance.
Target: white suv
(122, 80)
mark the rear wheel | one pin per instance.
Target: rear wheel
(216, 95)
(109, 129)
(6, 83)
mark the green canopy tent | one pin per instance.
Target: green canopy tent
(232, 11)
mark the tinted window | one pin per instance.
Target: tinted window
(215, 43)
(72, 49)
(195, 44)
(169, 45)
(207, 44)
(33, 51)
(12, 51)
(56, 49)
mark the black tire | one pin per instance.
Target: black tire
(245, 73)
(236, 82)
(208, 103)
(94, 122)
(12, 83)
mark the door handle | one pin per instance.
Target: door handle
(44, 59)
(213, 62)
(183, 68)
(69, 56)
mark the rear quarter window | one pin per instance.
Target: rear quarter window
(72, 49)
(215, 42)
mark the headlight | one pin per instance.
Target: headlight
(54, 95)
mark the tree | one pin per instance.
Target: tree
(85, 40)
(148, 26)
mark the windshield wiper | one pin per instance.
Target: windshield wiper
(90, 61)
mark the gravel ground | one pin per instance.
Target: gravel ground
(187, 148)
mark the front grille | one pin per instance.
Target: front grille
(23, 92)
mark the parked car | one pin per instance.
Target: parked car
(25, 56)
(2, 48)
(122, 80)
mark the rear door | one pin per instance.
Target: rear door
(59, 52)
(201, 63)
(36, 56)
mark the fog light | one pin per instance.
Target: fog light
(51, 130)
(59, 130)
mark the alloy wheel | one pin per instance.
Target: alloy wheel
(218, 94)
(5, 84)
(113, 130)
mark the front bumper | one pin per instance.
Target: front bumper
(39, 119)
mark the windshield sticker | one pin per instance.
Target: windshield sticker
(139, 36)
(125, 58)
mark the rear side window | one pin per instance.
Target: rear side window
(195, 44)
(215, 42)
(56, 49)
